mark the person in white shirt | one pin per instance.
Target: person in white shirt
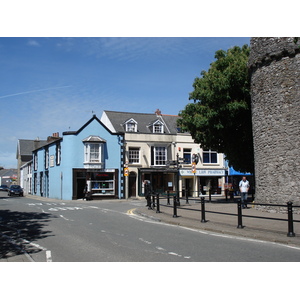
(244, 188)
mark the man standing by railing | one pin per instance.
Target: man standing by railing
(244, 188)
(148, 192)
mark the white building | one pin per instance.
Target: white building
(26, 177)
(156, 150)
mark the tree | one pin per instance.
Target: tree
(220, 117)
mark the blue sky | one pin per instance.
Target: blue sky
(54, 84)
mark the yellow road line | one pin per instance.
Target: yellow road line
(131, 211)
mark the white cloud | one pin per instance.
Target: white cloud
(33, 43)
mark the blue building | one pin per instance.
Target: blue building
(91, 157)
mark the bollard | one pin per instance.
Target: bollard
(175, 207)
(239, 207)
(178, 199)
(168, 197)
(203, 210)
(290, 219)
(187, 196)
(157, 203)
(209, 195)
(148, 198)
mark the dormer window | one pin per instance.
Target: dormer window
(158, 127)
(131, 125)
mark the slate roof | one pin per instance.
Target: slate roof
(144, 120)
(25, 148)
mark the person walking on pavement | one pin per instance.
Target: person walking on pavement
(148, 192)
(244, 188)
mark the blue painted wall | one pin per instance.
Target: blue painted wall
(60, 177)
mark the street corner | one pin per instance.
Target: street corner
(144, 212)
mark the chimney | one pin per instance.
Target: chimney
(54, 137)
(158, 112)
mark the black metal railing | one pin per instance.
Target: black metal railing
(176, 205)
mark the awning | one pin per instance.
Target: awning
(233, 172)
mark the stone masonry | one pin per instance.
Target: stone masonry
(275, 92)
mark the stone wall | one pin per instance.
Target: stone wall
(275, 91)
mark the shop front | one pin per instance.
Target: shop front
(200, 182)
(101, 184)
(161, 179)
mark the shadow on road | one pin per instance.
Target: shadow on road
(18, 227)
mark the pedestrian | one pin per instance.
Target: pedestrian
(147, 192)
(85, 190)
(244, 188)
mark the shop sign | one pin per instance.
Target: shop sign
(212, 172)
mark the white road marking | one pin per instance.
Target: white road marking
(147, 242)
(48, 256)
(175, 254)
(34, 245)
(64, 217)
(160, 248)
(164, 250)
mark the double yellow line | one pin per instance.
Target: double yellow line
(131, 211)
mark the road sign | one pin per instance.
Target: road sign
(126, 171)
(194, 168)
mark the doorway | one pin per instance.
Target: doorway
(132, 184)
(81, 182)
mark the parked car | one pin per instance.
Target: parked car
(15, 190)
(3, 187)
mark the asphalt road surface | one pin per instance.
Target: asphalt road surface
(108, 231)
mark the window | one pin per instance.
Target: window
(131, 125)
(158, 156)
(187, 156)
(35, 161)
(158, 127)
(92, 153)
(46, 158)
(35, 183)
(58, 154)
(134, 155)
(210, 157)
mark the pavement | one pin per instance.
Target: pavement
(220, 217)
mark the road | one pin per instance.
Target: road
(109, 231)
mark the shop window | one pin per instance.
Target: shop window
(210, 157)
(134, 155)
(158, 156)
(103, 183)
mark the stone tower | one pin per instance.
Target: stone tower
(275, 91)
